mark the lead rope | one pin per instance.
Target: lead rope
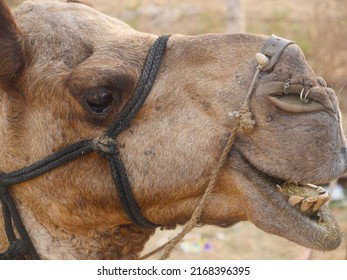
(245, 124)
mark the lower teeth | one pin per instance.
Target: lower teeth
(307, 198)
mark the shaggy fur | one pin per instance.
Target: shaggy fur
(52, 54)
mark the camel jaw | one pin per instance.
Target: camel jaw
(291, 210)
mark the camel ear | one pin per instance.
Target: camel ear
(11, 54)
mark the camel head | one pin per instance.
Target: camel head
(67, 70)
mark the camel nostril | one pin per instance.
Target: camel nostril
(321, 81)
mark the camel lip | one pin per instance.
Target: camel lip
(318, 231)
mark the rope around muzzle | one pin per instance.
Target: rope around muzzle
(244, 124)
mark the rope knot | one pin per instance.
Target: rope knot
(244, 118)
(247, 122)
(104, 145)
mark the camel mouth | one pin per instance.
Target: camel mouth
(304, 205)
(307, 198)
(295, 211)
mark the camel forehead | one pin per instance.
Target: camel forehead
(61, 19)
(67, 33)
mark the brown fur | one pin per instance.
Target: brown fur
(173, 142)
(11, 51)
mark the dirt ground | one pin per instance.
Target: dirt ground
(295, 18)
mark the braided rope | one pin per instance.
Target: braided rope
(18, 249)
(122, 122)
(105, 146)
(47, 164)
(143, 87)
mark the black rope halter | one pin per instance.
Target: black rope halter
(105, 145)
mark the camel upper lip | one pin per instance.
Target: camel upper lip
(317, 231)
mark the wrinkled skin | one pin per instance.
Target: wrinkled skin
(54, 55)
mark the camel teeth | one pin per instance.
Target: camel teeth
(313, 186)
(304, 207)
(311, 199)
(310, 202)
(321, 191)
(294, 200)
(322, 199)
(307, 203)
(325, 196)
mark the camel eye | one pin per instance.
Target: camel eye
(99, 99)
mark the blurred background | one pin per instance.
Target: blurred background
(319, 27)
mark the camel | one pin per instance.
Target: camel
(67, 71)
